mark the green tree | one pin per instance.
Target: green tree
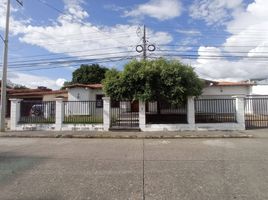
(88, 74)
(155, 80)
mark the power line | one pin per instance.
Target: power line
(210, 51)
(73, 52)
(68, 57)
(89, 62)
(62, 12)
(83, 40)
(207, 45)
(254, 59)
(58, 62)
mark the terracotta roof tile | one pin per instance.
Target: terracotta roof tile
(39, 93)
(91, 86)
(224, 83)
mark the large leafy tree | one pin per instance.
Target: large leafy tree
(88, 74)
(156, 80)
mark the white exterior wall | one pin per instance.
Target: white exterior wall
(83, 108)
(225, 91)
(259, 90)
(85, 94)
(73, 94)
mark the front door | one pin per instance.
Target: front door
(135, 106)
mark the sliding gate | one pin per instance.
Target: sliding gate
(125, 115)
(256, 112)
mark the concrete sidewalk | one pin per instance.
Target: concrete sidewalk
(130, 135)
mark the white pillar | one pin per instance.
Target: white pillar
(190, 111)
(14, 113)
(59, 113)
(240, 110)
(249, 106)
(142, 115)
(106, 113)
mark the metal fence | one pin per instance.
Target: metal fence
(83, 112)
(165, 113)
(35, 112)
(256, 112)
(215, 110)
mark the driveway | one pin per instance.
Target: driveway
(185, 169)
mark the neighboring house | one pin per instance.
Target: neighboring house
(39, 94)
(260, 87)
(88, 98)
(215, 89)
(85, 92)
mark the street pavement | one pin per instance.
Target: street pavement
(184, 169)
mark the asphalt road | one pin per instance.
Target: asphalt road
(184, 169)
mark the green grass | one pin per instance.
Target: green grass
(82, 119)
(37, 120)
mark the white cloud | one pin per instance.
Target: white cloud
(60, 82)
(247, 43)
(72, 35)
(159, 9)
(189, 32)
(214, 11)
(33, 81)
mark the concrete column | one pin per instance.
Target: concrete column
(240, 110)
(142, 115)
(190, 111)
(106, 113)
(14, 113)
(59, 113)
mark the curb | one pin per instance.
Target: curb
(130, 136)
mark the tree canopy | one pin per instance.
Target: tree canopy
(88, 74)
(155, 80)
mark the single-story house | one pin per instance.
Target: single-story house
(89, 96)
(212, 89)
(38, 94)
(84, 92)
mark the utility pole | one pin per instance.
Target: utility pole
(4, 70)
(4, 73)
(144, 43)
(145, 46)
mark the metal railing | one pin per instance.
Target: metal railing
(256, 112)
(165, 113)
(83, 112)
(215, 110)
(37, 112)
(124, 114)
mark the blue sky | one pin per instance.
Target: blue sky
(221, 39)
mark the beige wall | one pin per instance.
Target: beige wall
(51, 97)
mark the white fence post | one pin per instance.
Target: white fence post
(59, 113)
(240, 110)
(14, 113)
(106, 113)
(190, 111)
(142, 115)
